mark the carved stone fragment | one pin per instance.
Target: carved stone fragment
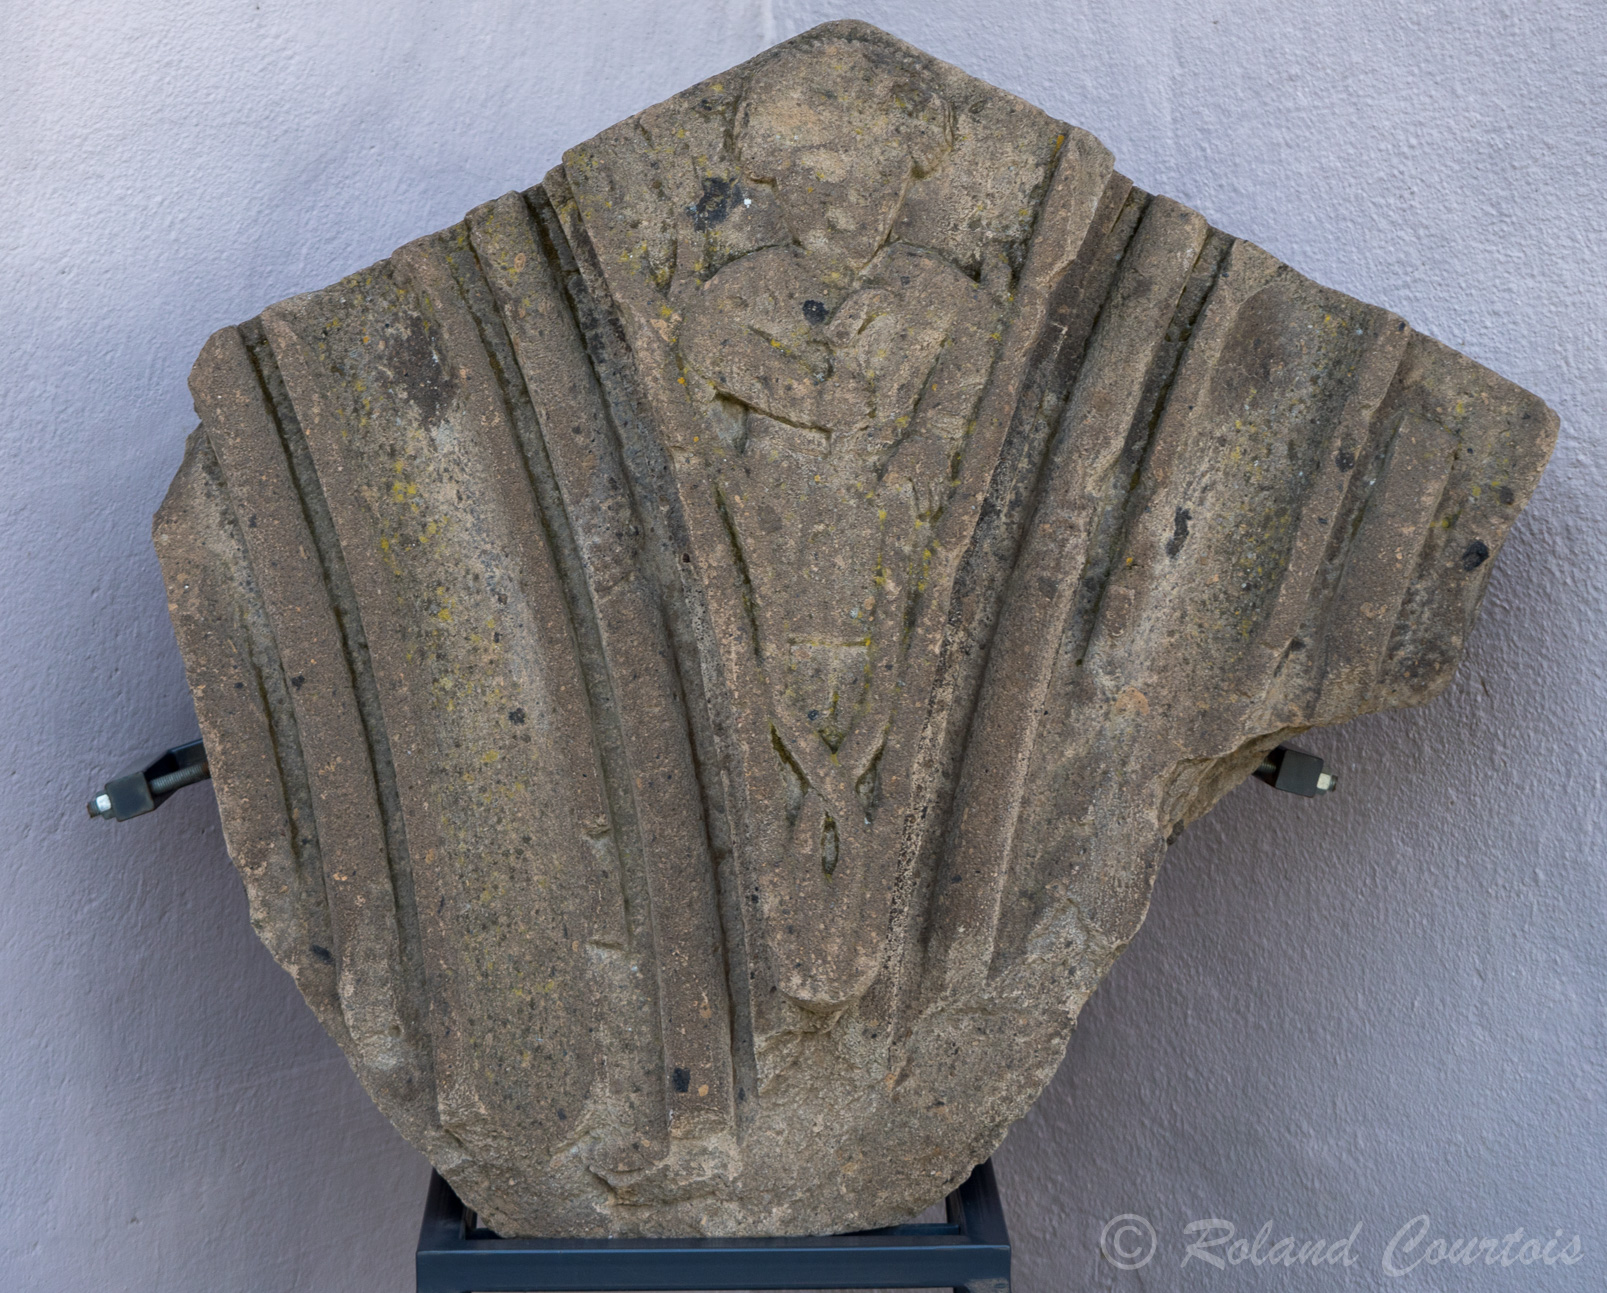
(700, 661)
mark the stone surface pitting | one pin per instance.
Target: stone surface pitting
(701, 660)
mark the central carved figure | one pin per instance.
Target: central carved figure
(848, 367)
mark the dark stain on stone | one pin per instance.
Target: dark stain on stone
(1507, 497)
(719, 197)
(1344, 460)
(1180, 531)
(418, 372)
(322, 953)
(298, 680)
(815, 311)
(681, 1080)
(1474, 555)
(516, 715)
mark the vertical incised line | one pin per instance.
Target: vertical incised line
(1115, 524)
(572, 436)
(359, 667)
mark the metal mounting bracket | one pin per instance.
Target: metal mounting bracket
(136, 793)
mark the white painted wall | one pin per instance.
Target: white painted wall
(1353, 1011)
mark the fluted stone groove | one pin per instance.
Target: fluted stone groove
(702, 659)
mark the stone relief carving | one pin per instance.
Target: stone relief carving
(701, 660)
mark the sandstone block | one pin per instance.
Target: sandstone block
(701, 659)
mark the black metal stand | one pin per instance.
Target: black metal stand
(970, 1252)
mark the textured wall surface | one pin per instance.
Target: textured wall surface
(1354, 1011)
